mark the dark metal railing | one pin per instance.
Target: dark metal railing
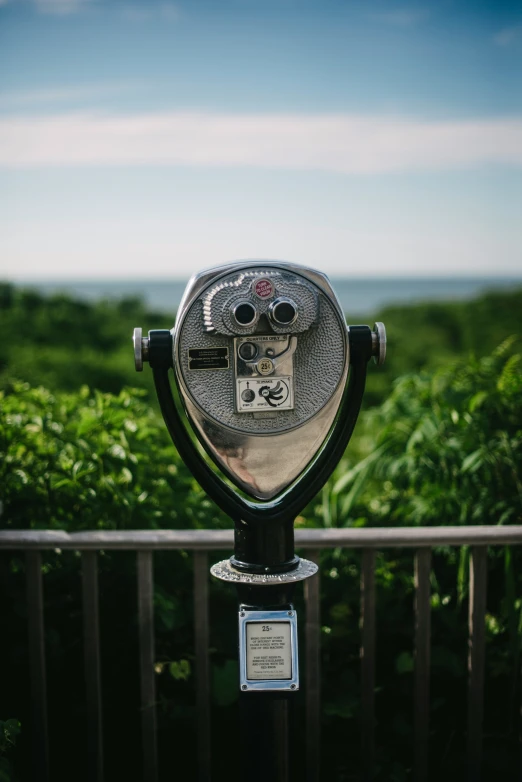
(201, 542)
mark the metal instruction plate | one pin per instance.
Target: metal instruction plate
(264, 393)
(208, 358)
(268, 650)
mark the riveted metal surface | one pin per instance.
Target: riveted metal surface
(261, 450)
(220, 301)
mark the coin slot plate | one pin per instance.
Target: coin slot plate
(258, 392)
(268, 658)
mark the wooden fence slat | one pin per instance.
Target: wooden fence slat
(201, 630)
(422, 661)
(40, 737)
(91, 646)
(476, 657)
(368, 663)
(312, 591)
(369, 540)
(147, 673)
(206, 540)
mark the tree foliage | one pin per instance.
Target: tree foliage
(444, 447)
(92, 460)
(9, 732)
(62, 342)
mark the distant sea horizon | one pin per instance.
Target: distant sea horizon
(365, 295)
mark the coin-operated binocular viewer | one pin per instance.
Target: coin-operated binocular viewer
(271, 380)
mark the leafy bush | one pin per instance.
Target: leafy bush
(431, 335)
(62, 342)
(90, 460)
(9, 732)
(444, 448)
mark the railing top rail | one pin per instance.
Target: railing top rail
(375, 537)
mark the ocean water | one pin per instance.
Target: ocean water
(357, 296)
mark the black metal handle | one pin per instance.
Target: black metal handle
(287, 505)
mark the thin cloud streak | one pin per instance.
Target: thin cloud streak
(349, 144)
(508, 36)
(84, 92)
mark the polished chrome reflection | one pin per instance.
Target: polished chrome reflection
(264, 413)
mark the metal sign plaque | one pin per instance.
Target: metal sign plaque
(270, 393)
(208, 358)
(268, 650)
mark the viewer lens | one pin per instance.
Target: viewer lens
(245, 314)
(283, 311)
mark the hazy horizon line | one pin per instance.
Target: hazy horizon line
(333, 275)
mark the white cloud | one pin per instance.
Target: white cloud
(508, 36)
(350, 144)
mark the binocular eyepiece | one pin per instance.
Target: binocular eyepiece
(281, 312)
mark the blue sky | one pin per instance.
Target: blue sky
(154, 139)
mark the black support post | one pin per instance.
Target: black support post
(264, 568)
(265, 716)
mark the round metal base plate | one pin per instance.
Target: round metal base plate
(225, 572)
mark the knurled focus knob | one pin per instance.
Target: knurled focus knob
(141, 349)
(379, 343)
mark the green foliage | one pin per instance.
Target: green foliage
(225, 682)
(445, 447)
(90, 460)
(9, 733)
(63, 343)
(180, 669)
(430, 335)
(404, 662)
